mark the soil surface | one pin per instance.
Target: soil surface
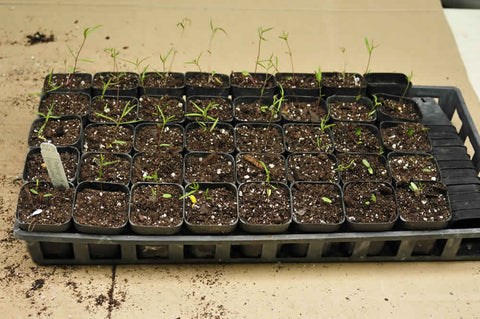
(68, 81)
(65, 104)
(408, 137)
(163, 80)
(256, 206)
(220, 107)
(407, 167)
(399, 109)
(113, 108)
(108, 138)
(220, 139)
(302, 111)
(112, 168)
(207, 80)
(350, 80)
(35, 167)
(150, 138)
(118, 80)
(317, 203)
(167, 167)
(252, 80)
(258, 138)
(307, 138)
(369, 203)
(152, 206)
(367, 167)
(49, 206)
(101, 208)
(250, 109)
(428, 203)
(306, 81)
(312, 167)
(170, 106)
(61, 132)
(355, 138)
(250, 168)
(351, 111)
(218, 206)
(209, 167)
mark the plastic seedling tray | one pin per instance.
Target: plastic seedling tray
(459, 241)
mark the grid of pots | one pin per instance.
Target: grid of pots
(365, 167)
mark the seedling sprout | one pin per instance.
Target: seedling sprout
(370, 48)
(367, 165)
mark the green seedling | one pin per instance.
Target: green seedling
(76, 55)
(206, 194)
(261, 38)
(126, 110)
(193, 189)
(426, 170)
(410, 132)
(141, 71)
(324, 120)
(35, 190)
(381, 150)
(106, 85)
(212, 78)
(409, 79)
(284, 36)
(342, 49)
(367, 165)
(161, 127)
(113, 54)
(46, 117)
(214, 32)
(267, 179)
(275, 107)
(202, 115)
(416, 189)
(373, 198)
(342, 168)
(183, 24)
(358, 131)
(327, 200)
(249, 76)
(376, 104)
(196, 62)
(318, 76)
(100, 161)
(164, 59)
(319, 144)
(370, 48)
(166, 195)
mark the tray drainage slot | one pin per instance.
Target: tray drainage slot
(104, 251)
(52, 250)
(199, 251)
(245, 251)
(152, 251)
(338, 249)
(429, 247)
(469, 247)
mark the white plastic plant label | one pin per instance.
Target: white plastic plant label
(54, 165)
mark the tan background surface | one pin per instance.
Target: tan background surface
(413, 36)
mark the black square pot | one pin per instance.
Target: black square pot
(130, 88)
(256, 89)
(83, 81)
(388, 83)
(151, 86)
(329, 90)
(369, 117)
(221, 88)
(301, 84)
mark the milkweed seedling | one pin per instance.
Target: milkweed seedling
(164, 59)
(284, 36)
(100, 161)
(76, 55)
(151, 177)
(367, 165)
(327, 200)
(275, 107)
(196, 62)
(261, 38)
(409, 79)
(35, 190)
(324, 120)
(203, 114)
(373, 198)
(126, 110)
(113, 54)
(193, 189)
(214, 31)
(370, 48)
(183, 24)
(141, 72)
(416, 189)
(342, 168)
(410, 132)
(267, 179)
(47, 117)
(161, 127)
(342, 49)
(318, 76)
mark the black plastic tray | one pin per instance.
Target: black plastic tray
(461, 241)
